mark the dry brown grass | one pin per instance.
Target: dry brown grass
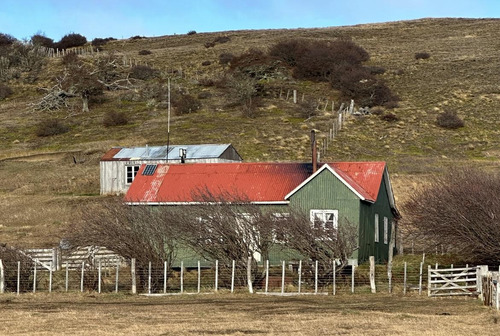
(242, 314)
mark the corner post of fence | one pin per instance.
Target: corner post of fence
(372, 275)
(249, 275)
(132, 270)
(2, 278)
(480, 272)
(165, 277)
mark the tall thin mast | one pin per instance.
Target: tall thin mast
(168, 117)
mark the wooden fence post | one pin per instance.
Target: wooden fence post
(82, 275)
(132, 271)
(164, 277)
(117, 274)
(249, 275)
(216, 275)
(182, 277)
(50, 276)
(267, 276)
(99, 275)
(232, 277)
(404, 279)
(372, 274)
(149, 277)
(352, 278)
(18, 277)
(199, 277)
(420, 279)
(66, 280)
(300, 275)
(283, 278)
(34, 276)
(334, 277)
(316, 277)
(2, 278)
(295, 96)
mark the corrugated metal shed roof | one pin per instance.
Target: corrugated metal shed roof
(258, 182)
(205, 151)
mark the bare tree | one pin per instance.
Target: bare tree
(140, 232)
(459, 211)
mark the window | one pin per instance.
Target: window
(325, 219)
(386, 230)
(279, 235)
(131, 172)
(377, 231)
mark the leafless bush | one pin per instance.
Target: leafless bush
(185, 104)
(449, 119)
(113, 118)
(389, 117)
(6, 40)
(70, 41)
(308, 108)
(51, 127)
(458, 211)
(131, 231)
(222, 39)
(145, 52)
(422, 55)
(10, 256)
(143, 72)
(5, 91)
(99, 42)
(206, 63)
(191, 32)
(225, 58)
(41, 40)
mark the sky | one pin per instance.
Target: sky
(126, 18)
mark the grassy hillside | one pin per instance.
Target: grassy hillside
(42, 186)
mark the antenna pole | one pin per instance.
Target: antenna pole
(168, 117)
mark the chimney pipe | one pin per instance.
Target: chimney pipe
(314, 151)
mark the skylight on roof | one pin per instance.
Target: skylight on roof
(149, 170)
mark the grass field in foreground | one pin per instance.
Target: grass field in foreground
(242, 314)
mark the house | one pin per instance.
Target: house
(360, 192)
(119, 166)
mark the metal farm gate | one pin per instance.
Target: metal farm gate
(453, 281)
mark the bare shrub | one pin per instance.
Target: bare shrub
(10, 256)
(185, 104)
(204, 95)
(209, 45)
(99, 42)
(6, 40)
(70, 41)
(113, 118)
(137, 37)
(130, 231)
(392, 104)
(50, 127)
(422, 55)
(143, 72)
(225, 58)
(145, 52)
(191, 32)
(449, 119)
(389, 117)
(70, 59)
(308, 108)
(41, 40)
(222, 39)
(5, 91)
(376, 70)
(206, 63)
(457, 211)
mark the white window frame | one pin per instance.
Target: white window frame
(386, 230)
(377, 229)
(321, 214)
(133, 170)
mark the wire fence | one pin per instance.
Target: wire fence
(289, 278)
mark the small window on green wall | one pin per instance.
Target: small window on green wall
(377, 231)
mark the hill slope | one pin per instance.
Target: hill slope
(43, 186)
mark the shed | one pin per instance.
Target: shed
(119, 165)
(360, 192)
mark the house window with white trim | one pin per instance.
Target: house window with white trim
(376, 228)
(325, 219)
(386, 230)
(131, 171)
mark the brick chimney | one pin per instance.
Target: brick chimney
(314, 152)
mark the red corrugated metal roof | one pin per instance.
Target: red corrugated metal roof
(109, 155)
(257, 182)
